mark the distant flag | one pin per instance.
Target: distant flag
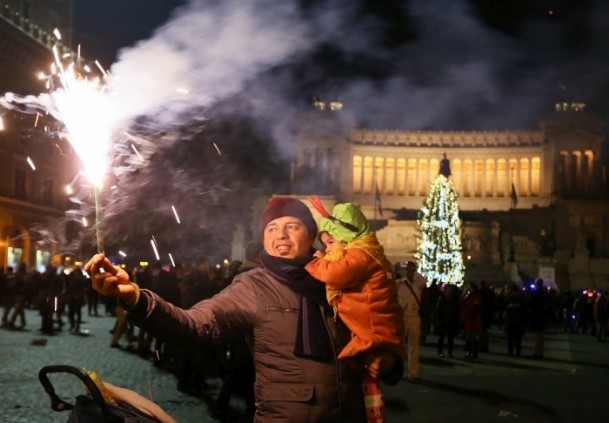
(377, 200)
(514, 196)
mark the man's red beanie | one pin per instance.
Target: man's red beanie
(285, 206)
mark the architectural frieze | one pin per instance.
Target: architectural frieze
(447, 139)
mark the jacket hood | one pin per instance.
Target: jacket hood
(347, 213)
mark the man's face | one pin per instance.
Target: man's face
(410, 269)
(329, 242)
(287, 237)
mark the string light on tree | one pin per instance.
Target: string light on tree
(439, 248)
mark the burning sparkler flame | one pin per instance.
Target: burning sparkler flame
(85, 109)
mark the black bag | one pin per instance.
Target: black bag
(90, 408)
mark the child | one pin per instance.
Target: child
(360, 286)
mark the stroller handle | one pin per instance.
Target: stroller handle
(57, 403)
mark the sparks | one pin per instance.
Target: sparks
(134, 148)
(176, 214)
(122, 254)
(101, 68)
(139, 141)
(173, 263)
(218, 149)
(31, 163)
(156, 252)
(85, 222)
(36, 121)
(69, 189)
(1, 124)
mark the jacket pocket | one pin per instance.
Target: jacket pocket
(287, 392)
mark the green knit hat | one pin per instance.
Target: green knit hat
(347, 213)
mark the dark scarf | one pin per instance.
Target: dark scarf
(312, 340)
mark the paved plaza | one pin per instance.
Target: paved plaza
(570, 385)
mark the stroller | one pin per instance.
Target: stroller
(93, 407)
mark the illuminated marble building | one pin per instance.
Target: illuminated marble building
(34, 166)
(559, 229)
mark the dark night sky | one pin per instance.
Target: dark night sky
(104, 26)
(410, 64)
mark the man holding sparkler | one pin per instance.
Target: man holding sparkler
(283, 313)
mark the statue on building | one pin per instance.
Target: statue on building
(445, 166)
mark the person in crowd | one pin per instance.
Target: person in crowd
(45, 300)
(488, 312)
(601, 315)
(284, 314)
(580, 305)
(590, 299)
(147, 279)
(75, 296)
(18, 287)
(195, 364)
(537, 317)
(447, 319)
(2, 283)
(500, 305)
(92, 301)
(410, 288)
(429, 299)
(165, 285)
(360, 288)
(566, 304)
(58, 295)
(7, 283)
(515, 317)
(122, 329)
(470, 318)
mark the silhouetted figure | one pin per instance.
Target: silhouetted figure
(471, 319)
(75, 297)
(447, 319)
(537, 317)
(515, 319)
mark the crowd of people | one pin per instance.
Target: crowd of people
(59, 296)
(266, 324)
(516, 309)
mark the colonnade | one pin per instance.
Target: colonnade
(488, 177)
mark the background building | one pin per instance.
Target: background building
(533, 202)
(34, 165)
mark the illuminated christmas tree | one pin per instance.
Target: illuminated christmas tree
(439, 248)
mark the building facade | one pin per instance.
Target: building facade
(533, 202)
(35, 166)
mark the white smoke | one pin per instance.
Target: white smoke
(207, 52)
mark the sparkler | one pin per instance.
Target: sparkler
(80, 101)
(88, 128)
